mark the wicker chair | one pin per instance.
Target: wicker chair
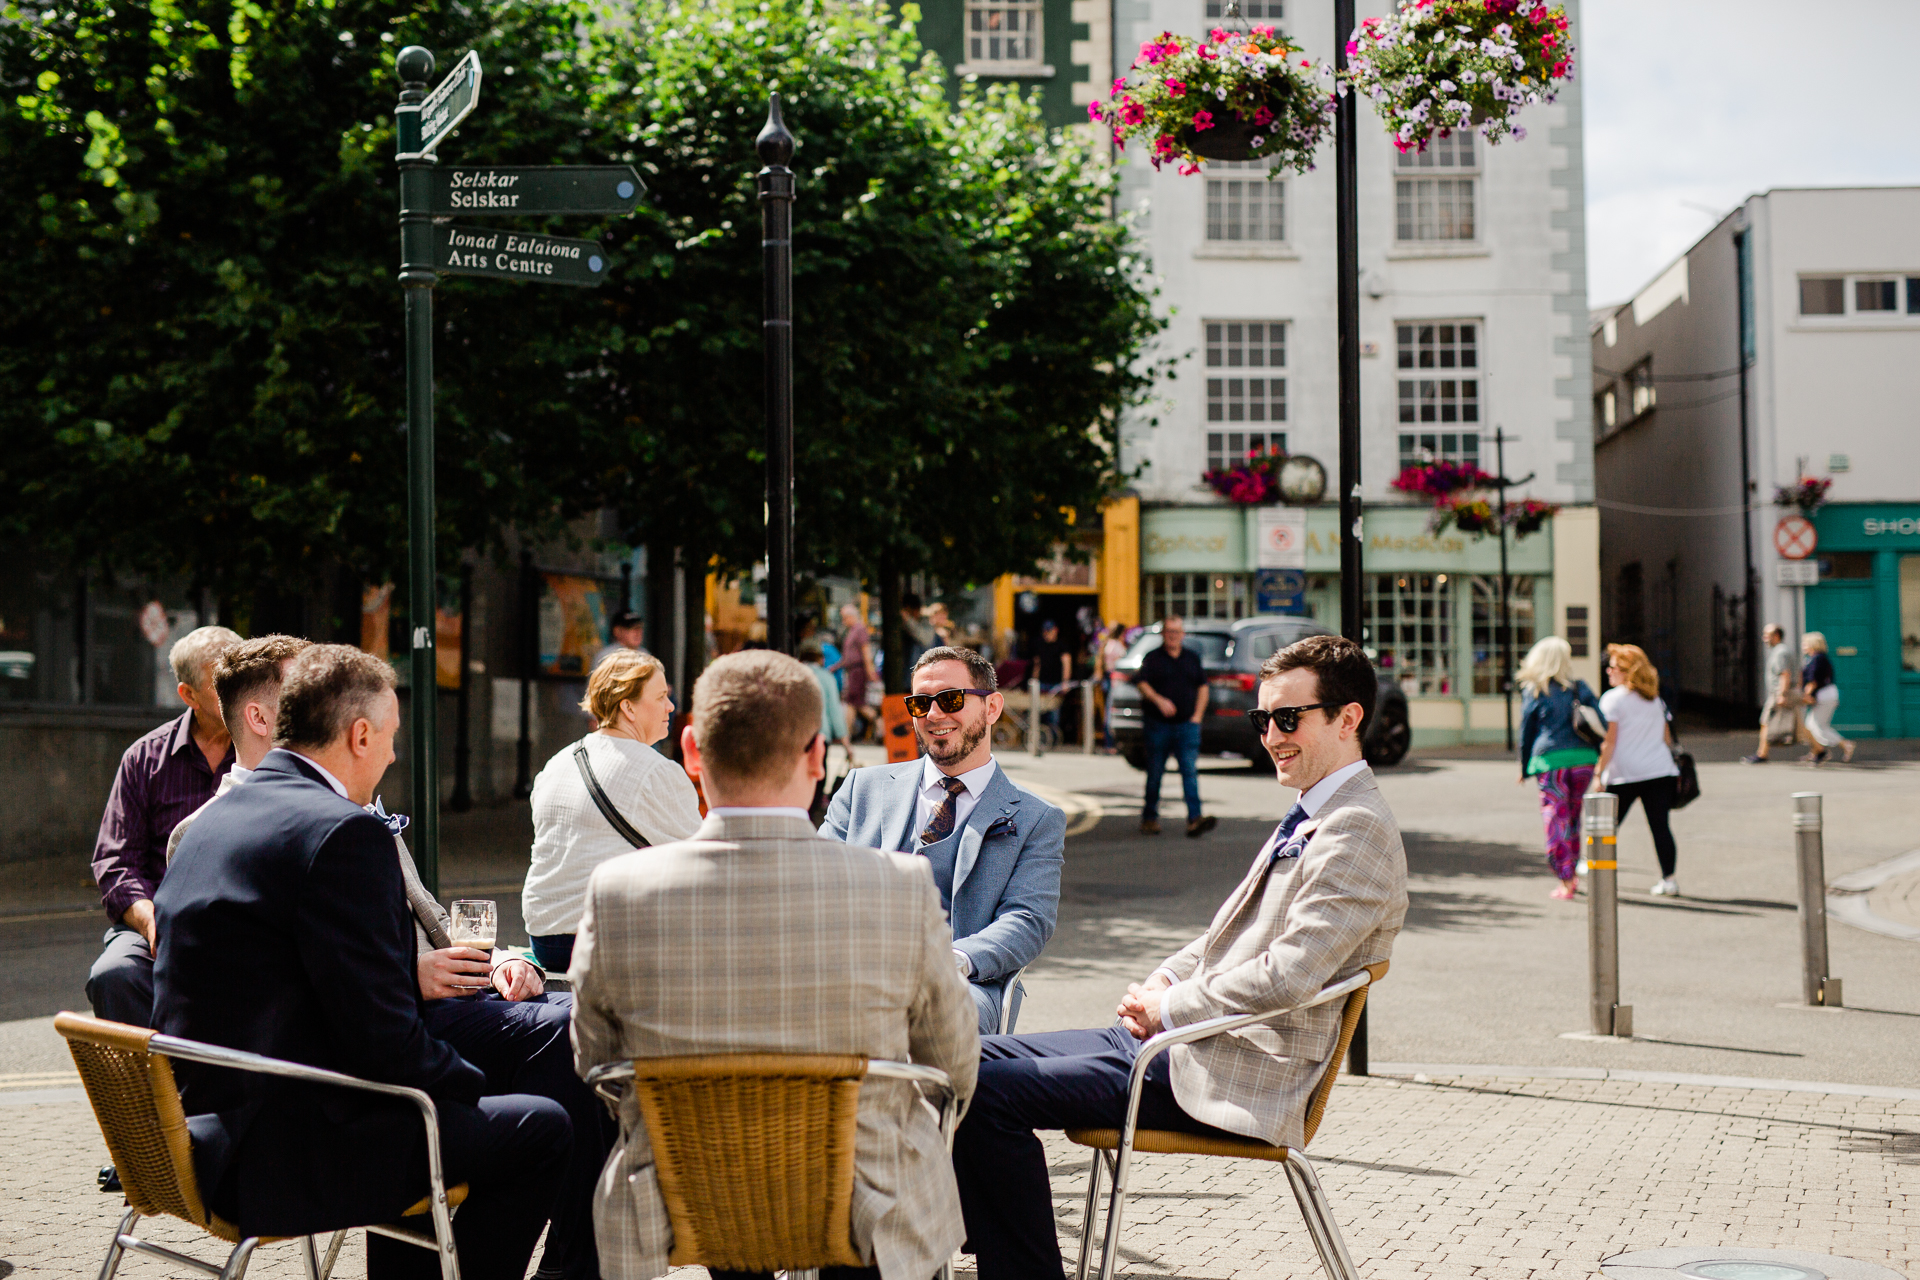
(754, 1152)
(129, 1081)
(1114, 1148)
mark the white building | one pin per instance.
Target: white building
(1825, 287)
(1473, 317)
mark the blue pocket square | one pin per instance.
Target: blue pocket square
(1002, 825)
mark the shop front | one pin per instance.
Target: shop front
(1867, 605)
(1431, 603)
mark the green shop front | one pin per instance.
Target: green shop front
(1431, 602)
(1867, 604)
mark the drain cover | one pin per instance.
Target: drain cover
(1734, 1262)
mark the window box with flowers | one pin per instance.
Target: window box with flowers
(1250, 483)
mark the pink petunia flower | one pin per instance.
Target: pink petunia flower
(1202, 120)
(1094, 113)
(1132, 112)
(1262, 117)
(1176, 89)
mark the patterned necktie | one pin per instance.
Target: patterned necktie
(943, 813)
(1284, 832)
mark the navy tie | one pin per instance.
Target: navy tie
(1284, 832)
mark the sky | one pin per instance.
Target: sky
(1693, 105)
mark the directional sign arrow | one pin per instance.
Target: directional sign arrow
(517, 255)
(556, 188)
(450, 103)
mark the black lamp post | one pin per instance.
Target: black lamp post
(775, 146)
(1505, 639)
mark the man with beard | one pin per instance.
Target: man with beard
(994, 849)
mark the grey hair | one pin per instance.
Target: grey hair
(193, 655)
(977, 667)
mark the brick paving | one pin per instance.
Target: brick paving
(1468, 1177)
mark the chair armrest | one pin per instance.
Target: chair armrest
(214, 1055)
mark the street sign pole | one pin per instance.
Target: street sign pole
(417, 278)
(775, 146)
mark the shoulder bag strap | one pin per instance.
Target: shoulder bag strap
(601, 802)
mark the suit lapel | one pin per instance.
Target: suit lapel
(1000, 800)
(899, 797)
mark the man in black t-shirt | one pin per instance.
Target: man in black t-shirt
(1173, 693)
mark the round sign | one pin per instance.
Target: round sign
(153, 623)
(1794, 538)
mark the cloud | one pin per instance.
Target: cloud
(1704, 102)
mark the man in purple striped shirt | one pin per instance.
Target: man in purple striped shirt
(163, 777)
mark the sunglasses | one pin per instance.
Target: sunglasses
(1288, 718)
(948, 700)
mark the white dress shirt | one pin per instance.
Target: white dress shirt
(931, 794)
(326, 773)
(752, 811)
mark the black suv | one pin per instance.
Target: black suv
(1231, 654)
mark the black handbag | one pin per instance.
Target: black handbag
(1588, 725)
(601, 802)
(1686, 787)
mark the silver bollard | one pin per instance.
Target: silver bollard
(1599, 816)
(1087, 744)
(1033, 716)
(1808, 836)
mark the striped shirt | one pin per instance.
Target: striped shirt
(162, 778)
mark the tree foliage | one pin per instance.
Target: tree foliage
(200, 339)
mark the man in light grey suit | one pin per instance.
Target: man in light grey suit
(760, 936)
(995, 850)
(1325, 896)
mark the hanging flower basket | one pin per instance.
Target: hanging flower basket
(1478, 517)
(1440, 480)
(1440, 65)
(1234, 95)
(1252, 483)
(1528, 516)
(1806, 493)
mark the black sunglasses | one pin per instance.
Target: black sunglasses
(948, 700)
(1288, 718)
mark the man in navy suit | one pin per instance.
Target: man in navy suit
(284, 930)
(995, 850)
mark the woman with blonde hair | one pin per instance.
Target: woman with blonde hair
(605, 795)
(1822, 697)
(1636, 760)
(1553, 753)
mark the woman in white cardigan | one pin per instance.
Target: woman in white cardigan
(628, 697)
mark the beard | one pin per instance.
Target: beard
(957, 747)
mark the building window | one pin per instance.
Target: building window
(1439, 446)
(1606, 412)
(1640, 380)
(1249, 208)
(1227, 448)
(1579, 634)
(1876, 295)
(1254, 10)
(1198, 595)
(1431, 200)
(1913, 295)
(1233, 345)
(1823, 296)
(1409, 618)
(1486, 627)
(1910, 613)
(1448, 350)
(1005, 32)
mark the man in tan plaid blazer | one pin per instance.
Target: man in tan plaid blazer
(759, 936)
(1325, 896)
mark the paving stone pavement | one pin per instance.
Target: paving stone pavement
(1461, 1177)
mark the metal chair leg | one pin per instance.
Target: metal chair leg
(309, 1258)
(1318, 1213)
(1116, 1205)
(333, 1254)
(1090, 1214)
(116, 1250)
(237, 1260)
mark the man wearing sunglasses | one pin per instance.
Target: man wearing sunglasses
(1325, 896)
(995, 850)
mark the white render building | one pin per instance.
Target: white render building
(1473, 317)
(1817, 293)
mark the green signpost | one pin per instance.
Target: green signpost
(430, 246)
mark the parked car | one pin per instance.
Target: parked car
(1231, 654)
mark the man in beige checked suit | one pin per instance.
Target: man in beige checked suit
(1325, 896)
(759, 936)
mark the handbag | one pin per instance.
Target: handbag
(1588, 726)
(1783, 724)
(600, 800)
(1686, 787)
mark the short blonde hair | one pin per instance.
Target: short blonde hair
(753, 712)
(1814, 642)
(1636, 669)
(620, 677)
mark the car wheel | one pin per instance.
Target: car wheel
(1136, 756)
(1387, 745)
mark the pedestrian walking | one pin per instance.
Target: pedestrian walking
(1113, 647)
(1173, 692)
(609, 793)
(1822, 698)
(1555, 751)
(856, 669)
(1636, 759)
(1779, 700)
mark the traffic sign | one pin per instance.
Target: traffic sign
(451, 103)
(1797, 573)
(521, 190)
(517, 255)
(1794, 538)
